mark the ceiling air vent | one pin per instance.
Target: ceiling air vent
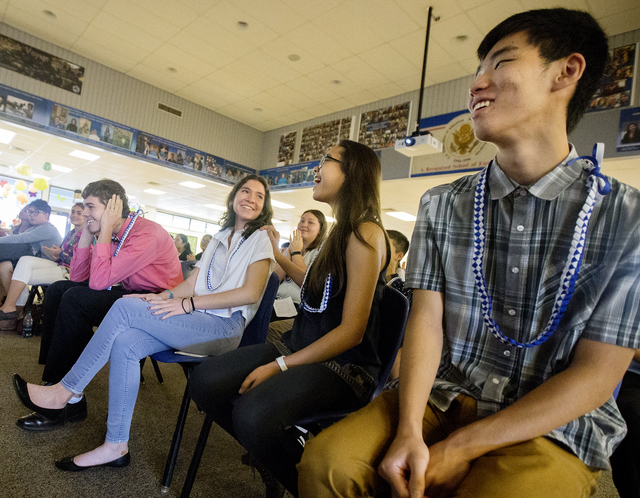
(170, 110)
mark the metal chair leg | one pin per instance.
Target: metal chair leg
(197, 455)
(175, 442)
(157, 370)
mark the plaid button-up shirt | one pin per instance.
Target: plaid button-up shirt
(529, 232)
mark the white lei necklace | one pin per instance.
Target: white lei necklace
(126, 231)
(595, 183)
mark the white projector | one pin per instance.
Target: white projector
(419, 146)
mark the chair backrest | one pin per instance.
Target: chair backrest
(256, 331)
(394, 311)
(187, 268)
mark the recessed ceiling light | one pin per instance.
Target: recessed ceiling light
(257, 109)
(49, 14)
(281, 205)
(217, 207)
(294, 57)
(330, 219)
(172, 70)
(84, 155)
(276, 222)
(154, 191)
(192, 185)
(6, 136)
(336, 82)
(242, 25)
(461, 38)
(62, 169)
(402, 215)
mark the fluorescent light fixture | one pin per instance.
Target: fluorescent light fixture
(6, 136)
(41, 176)
(192, 185)
(62, 169)
(275, 222)
(402, 215)
(217, 207)
(281, 205)
(154, 192)
(84, 155)
(330, 219)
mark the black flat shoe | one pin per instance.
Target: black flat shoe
(67, 464)
(39, 423)
(20, 385)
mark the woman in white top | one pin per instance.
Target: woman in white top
(206, 313)
(305, 244)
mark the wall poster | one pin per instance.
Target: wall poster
(317, 139)
(462, 151)
(34, 63)
(382, 127)
(629, 130)
(616, 86)
(287, 146)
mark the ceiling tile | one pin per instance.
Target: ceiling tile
(125, 31)
(310, 88)
(244, 72)
(266, 100)
(226, 15)
(313, 40)
(390, 62)
(621, 22)
(291, 96)
(210, 95)
(361, 98)
(446, 30)
(360, 72)
(489, 15)
(78, 9)
(145, 19)
(100, 38)
(281, 48)
(448, 73)
(219, 38)
(182, 61)
(154, 77)
(319, 110)
(338, 105)
(275, 14)
(387, 90)
(196, 47)
(328, 75)
(110, 58)
(175, 13)
(233, 82)
(299, 116)
(159, 65)
(259, 60)
(312, 9)
(418, 9)
(65, 29)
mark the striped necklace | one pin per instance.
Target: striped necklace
(127, 230)
(210, 286)
(326, 294)
(596, 183)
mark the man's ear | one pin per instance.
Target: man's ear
(570, 71)
(399, 256)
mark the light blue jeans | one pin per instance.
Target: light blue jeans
(129, 333)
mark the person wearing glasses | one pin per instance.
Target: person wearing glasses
(30, 242)
(31, 270)
(328, 361)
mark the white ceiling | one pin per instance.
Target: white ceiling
(374, 48)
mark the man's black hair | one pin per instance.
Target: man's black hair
(558, 33)
(104, 190)
(399, 240)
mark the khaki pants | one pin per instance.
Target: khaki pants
(343, 459)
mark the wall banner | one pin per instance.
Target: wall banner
(381, 128)
(629, 130)
(294, 176)
(462, 151)
(54, 118)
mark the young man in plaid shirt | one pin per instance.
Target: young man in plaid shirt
(525, 302)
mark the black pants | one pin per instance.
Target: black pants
(70, 311)
(13, 252)
(262, 418)
(625, 460)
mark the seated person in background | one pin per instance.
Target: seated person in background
(203, 245)
(625, 461)
(182, 245)
(303, 248)
(515, 407)
(38, 271)
(399, 249)
(328, 361)
(30, 242)
(205, 314)
(116, 246)
(24, 225)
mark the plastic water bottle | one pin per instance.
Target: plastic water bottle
(27, 325)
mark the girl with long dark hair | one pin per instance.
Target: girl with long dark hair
(328, 360)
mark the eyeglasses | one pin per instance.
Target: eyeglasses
(326, 158)
(34, 212)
